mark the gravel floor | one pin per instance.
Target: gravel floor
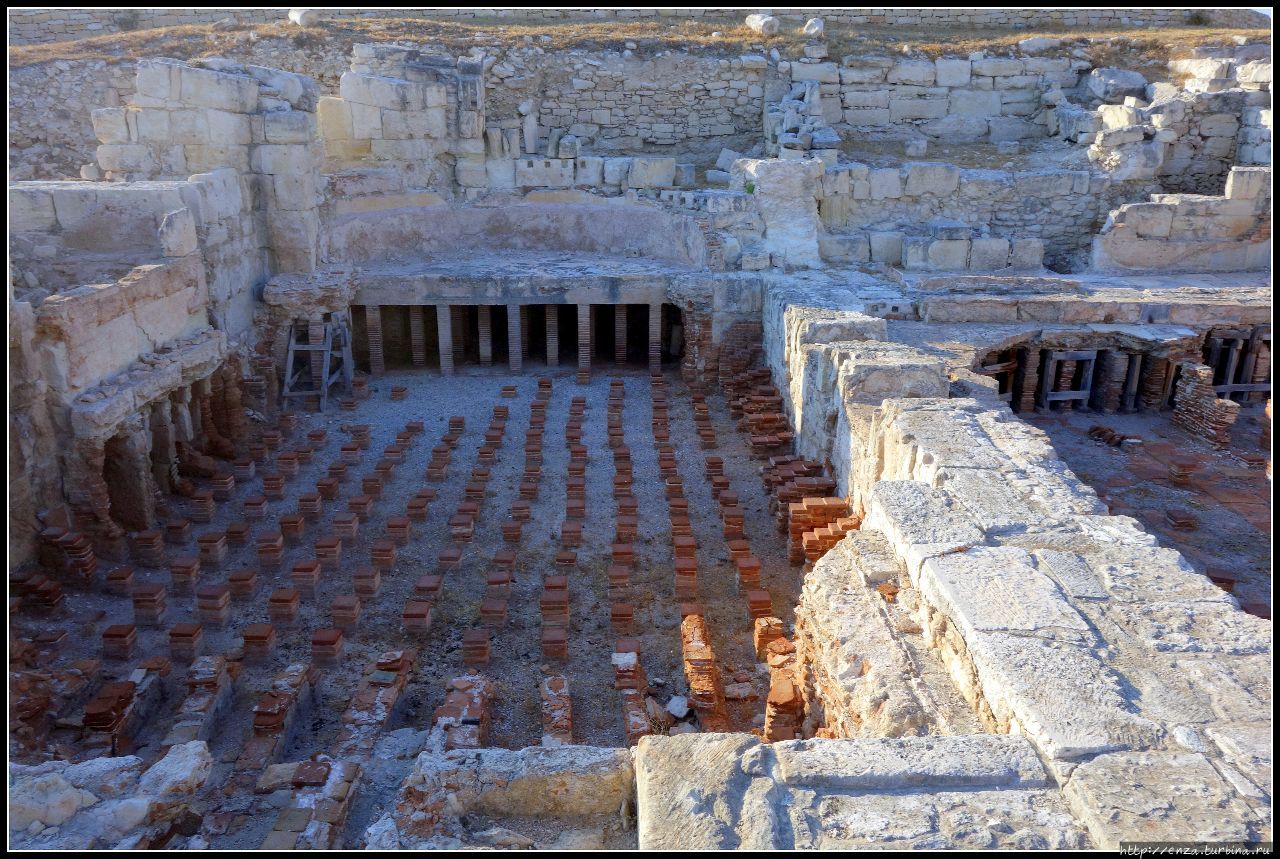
(516, 663)
(1231, 501)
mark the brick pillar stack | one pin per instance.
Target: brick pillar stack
(1199, 410)
(373, 331)
(444, 334)
(553, 335)
(655, 339)
(458, 329)
(620, 335)
(584, 343)
(486, 335)
(418, 334)
(1030, 373)
(515, 337)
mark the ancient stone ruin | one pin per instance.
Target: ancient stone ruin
(633, 428)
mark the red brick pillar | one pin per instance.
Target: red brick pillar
(553, 334)
(373, 332)
(486, 335)
(457, 324)
(584, 343)
(418, 334)
(1029, 375)
(515, 339)
(620, 334)
(655, 339)
(444, 335)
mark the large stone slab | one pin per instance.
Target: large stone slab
(1157, 796)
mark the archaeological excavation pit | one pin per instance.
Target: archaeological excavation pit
(639, 431)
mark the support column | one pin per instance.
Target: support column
(1066, 379)
(373, 332)
(199, 417)
(126, 461)
(418, 334)
(524, 331)
(90, 499)
(1261, 371)
(215, 442)
(458, 327)
(1154, 375)
(620, 334)
(584, 343)
(553, 334)
(655, 339)
(444, 338)
(1027, 378)
(315, 337)
(164, 453)
(233, 400)
(1047, 380)
(515, 338)
(1115, 367)
(180, 402)
(486, 336)
(1129, 402)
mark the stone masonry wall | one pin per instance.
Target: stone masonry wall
(1062, 208)
(1192, 232)
(29, 26)
(955, 99)
(618, 104)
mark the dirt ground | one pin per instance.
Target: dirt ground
(1146, 49)
(1231, 501)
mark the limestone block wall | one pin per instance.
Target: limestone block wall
(612, 103)
(401, 110)
(1214, 70)
(1191, 232)
(90, 333)
(1187, 141)
(1061, 208)
(66, 234)
(184, 119)
(382, 231)
(795, 320)
(1253, 144)
(955, 99)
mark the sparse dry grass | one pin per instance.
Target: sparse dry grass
(1145, 49)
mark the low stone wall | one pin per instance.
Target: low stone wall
(1062, 208)
(614, 103)
(1191, 232)
(50, 127)
(28, 26)
(954, 99)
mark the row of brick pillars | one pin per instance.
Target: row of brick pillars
(451, 333)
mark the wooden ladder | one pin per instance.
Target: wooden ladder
(337, 344)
